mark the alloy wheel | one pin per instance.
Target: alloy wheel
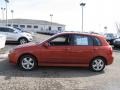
(97, 64)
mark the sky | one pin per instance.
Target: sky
(97, 13)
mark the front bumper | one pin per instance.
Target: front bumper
(30, 39)
(12, 58)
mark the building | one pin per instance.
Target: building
(34, 25)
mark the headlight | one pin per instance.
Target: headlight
(12, 50)
(29, 35)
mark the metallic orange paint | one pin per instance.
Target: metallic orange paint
(64, 55)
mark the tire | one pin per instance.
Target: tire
(27, 63)
(97, 65)
(23, 41)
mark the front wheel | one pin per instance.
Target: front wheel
(27, 63)
(23, 41)
(97, 65)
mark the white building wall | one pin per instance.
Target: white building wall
(41, 28)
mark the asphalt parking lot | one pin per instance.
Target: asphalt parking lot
(57, 78)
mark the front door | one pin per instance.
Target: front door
(56, 51)
(11, 35)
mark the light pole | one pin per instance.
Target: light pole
(2, 10)
(12, 15)
(51, 15)
(2, 13)
(105, 28)
(6, 1)
(82, 5)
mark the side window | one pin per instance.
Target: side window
(5, 29)
(2, 30)
(22, 26)
(29, 26)
(59, 41)
(97, 42)
(82, 40)
(15, 25)
(59, 28)
(11, 30)
(35, 26)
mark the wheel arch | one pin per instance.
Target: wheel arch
(27, 54)
(21, 38)
(99, 57)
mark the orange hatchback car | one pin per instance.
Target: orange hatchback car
(64, 49)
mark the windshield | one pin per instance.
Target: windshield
(46, 39)
(16, 30)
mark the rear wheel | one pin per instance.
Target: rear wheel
(27, 62)
(23, 41)
(97, 65)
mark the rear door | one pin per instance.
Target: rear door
(3, 31)
(81, 49)
(12, 36)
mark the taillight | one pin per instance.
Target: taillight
(110, 50)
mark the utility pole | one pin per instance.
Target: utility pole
(6, 1)
(12, 16)
(51, 15)
(82, 5)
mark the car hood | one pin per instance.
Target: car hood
(31, 44)
(26, 34)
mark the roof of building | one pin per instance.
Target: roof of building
(31, 21)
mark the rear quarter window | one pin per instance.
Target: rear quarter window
(96, 41)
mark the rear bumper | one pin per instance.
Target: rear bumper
(110, 60)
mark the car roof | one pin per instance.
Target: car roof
(5, 26)
(87, 34)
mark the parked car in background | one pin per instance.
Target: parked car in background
(32, 33)
(15, 35)
(64, 49)
(116, 42)
(2, 41)
(110, 37)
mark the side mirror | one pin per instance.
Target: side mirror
(46, 45)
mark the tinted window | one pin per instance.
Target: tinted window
(4, 29)
(15, 25)
(59, 28)
(10, 30)
(82, 40)
(35, 26)
(29, 26)
(22, 26)
(97, 42)
(9, 25)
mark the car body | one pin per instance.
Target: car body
(116, 42)
(64, 49)
(22, 30)
(15, 35)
